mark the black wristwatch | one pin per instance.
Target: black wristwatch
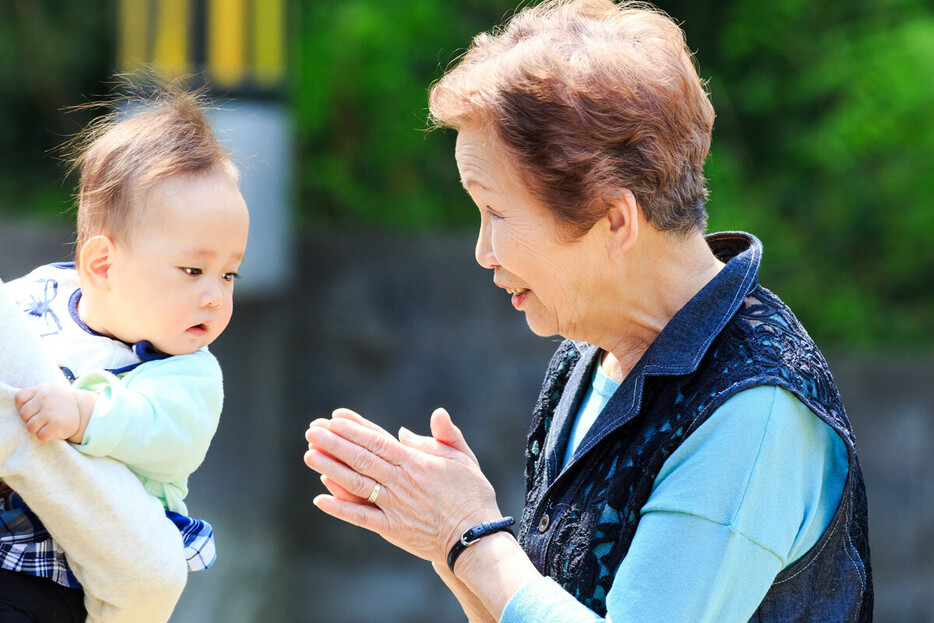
(476, 533)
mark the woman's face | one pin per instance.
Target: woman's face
(548, 276)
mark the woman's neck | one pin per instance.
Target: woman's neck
(658, 276)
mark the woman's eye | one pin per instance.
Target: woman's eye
(193, 272)
(493, 214)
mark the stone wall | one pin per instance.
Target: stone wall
(394, 327)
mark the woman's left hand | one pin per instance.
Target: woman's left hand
(431, 488)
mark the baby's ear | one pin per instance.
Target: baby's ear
(94, 263)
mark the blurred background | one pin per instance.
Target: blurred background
(360, 287)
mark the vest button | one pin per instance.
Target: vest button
(543, 523)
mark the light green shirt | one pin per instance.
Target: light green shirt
(158, 419)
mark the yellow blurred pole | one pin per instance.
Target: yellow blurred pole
(268, 41)
(170, 51)
(226, 37)
(131, 44)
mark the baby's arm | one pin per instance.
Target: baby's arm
(159, 419)
(52, 411)
(126, 553)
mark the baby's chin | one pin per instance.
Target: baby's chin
(175, 350)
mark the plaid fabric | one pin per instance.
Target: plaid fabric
(25, 544)
(198, 537)
(27, 547)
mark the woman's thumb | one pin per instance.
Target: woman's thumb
(444, 431)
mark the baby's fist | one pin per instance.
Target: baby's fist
(49, 411)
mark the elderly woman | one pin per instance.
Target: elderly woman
(689, 457)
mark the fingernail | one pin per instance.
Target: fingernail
(404, 432)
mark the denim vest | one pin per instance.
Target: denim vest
(578, 523)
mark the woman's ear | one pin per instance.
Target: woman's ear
(623, 217)
(94, 262)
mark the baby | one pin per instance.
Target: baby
(162, 229)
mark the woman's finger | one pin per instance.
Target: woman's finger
(443, 429)
(428, 445)
(349, 480)
(340, 492)
(353, 416)
(318, 423)
(362, 515)
(381, 444)
(352, 452)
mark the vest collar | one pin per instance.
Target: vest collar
(677, 350)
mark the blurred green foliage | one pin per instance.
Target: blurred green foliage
(53, 54)
(362, 70)
(823, 145)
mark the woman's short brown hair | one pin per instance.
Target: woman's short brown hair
(589, 97)
(123, 154)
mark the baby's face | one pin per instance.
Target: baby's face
(172, 281)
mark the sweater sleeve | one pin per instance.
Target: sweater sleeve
(159, 420)
(749, 492)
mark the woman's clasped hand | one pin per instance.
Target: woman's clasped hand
(354, 455)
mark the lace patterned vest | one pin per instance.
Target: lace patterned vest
(578, 526)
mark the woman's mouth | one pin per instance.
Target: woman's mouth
(518, 295)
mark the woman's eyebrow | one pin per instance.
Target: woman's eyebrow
(469, 181)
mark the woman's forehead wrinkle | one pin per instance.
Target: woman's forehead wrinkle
(476, 168)
(477, 146)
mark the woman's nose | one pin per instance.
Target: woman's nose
(484, 251)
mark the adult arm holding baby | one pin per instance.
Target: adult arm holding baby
(134, 568)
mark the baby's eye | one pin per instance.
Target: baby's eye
(192, 272)
(231, 276)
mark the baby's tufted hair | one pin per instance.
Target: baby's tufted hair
(158, 133)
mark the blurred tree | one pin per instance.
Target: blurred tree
(362, 71)
(822, 147)
(53, 54)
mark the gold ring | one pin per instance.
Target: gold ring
(374, 494)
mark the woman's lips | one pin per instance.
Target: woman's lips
(518, 298)
(518, 294)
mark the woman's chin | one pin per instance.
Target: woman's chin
(539, 328)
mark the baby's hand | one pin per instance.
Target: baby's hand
(50, 411)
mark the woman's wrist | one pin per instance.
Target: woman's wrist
(477, 532)
(472, 520)
(494, 568)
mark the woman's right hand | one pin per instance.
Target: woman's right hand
(431, 488)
